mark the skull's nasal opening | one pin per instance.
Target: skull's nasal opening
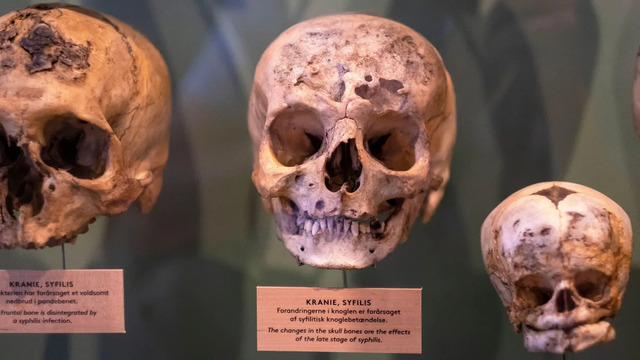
(344, 167)
(564, 302)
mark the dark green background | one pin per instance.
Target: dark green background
(543, 91)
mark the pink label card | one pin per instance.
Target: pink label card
(339, 320)
(61, 301)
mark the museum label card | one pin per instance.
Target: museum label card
(61, 301)
(366, 320)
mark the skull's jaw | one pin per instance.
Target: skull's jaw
(568, 340)
(22, 227)
(18, 233)
(339, 242)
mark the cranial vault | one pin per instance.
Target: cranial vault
(85, 104)
(353, 122)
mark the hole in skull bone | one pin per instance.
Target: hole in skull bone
(24, 186)
(391, 139)
(389, 208)
(76, 146)
(343, 167)
(293, 206)
(9, 151)
(534, 290)
(592, 284)
(564, 301)
(295, 136)
(368, 78)
(391, 85)
(364, 91)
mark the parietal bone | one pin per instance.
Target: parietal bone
(85, 104)
(558, 254)
(353, 122)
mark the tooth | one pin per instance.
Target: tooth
(346, 226)
(354, 228)
(307, 226)
(330, 225)
(382, 226)
(323, 224)
(316, 228)
(300, 221)
(364, 228)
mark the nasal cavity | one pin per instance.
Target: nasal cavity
(344, 168)
(564, 302)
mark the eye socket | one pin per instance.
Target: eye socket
(296, 135)
(391, 140)
(76, 146)
(8, 152)
(592, 284)
(534, 290)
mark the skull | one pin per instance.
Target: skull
(558, 254)
(84, 113)
(352, 119)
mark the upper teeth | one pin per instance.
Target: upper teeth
(335, 225)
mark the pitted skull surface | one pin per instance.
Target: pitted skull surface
(84, 113)
(558, 254)
(352, 118)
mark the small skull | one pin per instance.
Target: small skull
(352, 119)
(558, 254)
(84, 114)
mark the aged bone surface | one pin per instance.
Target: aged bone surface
(558, 254)
(85, 104)
(353, 122)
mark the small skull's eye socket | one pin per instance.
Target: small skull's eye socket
(296, 135)
(76, 146)
(592, 284)
(9, 151)
(534, 290)
(391, 140)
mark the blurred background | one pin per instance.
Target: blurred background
(543, 91)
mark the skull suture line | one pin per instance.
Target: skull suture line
(352, 119)
(85, 104)
(558, 254)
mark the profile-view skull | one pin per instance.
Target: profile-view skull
(85, 104)
(558, 254)
(352, 119)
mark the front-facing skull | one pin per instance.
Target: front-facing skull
(558, 254)
(84, 113)
(352, 118)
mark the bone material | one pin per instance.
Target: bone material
(85, 106)
(558, 254)
(352, 119)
